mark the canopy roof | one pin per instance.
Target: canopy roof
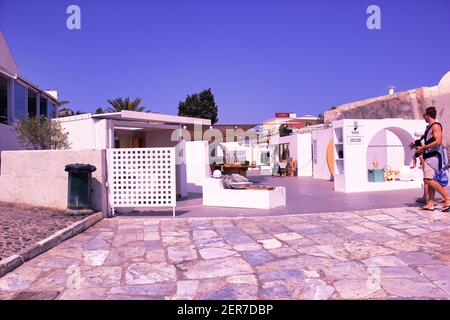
(151, 117)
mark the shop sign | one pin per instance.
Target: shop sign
(282, 115)
(355, 135)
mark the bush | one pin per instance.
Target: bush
(41, 133)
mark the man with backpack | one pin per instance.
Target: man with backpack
(435, 166)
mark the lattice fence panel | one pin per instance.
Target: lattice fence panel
(142, 177)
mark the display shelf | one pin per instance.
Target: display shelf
(338, 135)
(338, 150)
(339, 166)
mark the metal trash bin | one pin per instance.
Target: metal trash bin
(79, 188)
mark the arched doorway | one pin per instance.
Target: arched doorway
(389, 147)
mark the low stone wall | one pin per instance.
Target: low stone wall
(38, 177)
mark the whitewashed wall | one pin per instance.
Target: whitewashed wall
(197, 165)
(385, 151)
(304, 155)
(38, 177)
(378, 154)
(85, 133)
(320, 165)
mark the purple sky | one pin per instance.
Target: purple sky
(259, 57)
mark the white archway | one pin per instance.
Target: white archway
(390, 147)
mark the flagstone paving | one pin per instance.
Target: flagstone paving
(400, 253)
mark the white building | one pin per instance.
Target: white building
(19, 98)
(125, 129)
(132, 129)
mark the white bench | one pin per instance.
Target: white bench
(216, 195)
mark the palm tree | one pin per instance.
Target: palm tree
(61, 103)
(120, 104)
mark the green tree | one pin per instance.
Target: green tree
(120, 104)
(41, 133)
(100, 110)
(284, 130)
(199, 105)
(321, 118)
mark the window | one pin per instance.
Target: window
(3, 100)
(43, 107)
(20, 101)
(51, 110)
(32, 104)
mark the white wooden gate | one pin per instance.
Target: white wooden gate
(141, 177)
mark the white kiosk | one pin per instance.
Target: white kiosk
(360, 145)
(300, 149)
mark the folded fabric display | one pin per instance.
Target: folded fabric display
(238, 178)
(235, 181)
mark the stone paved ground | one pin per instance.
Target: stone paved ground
(22, 226)
(380, 254)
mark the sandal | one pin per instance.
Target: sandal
(421, 200)
(427, 209)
